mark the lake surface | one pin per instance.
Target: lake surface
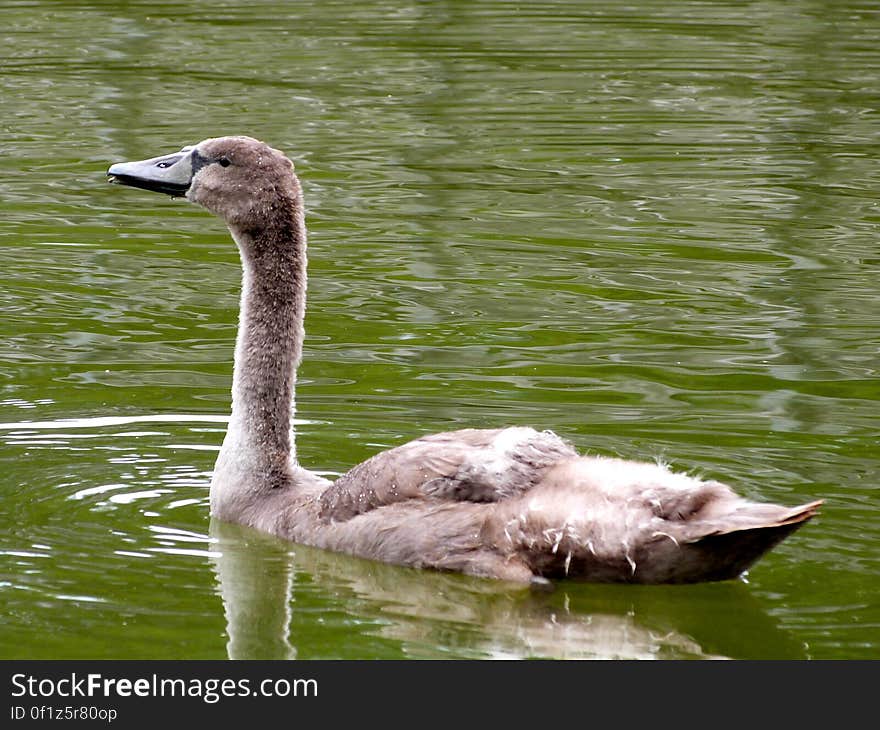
(651, 227)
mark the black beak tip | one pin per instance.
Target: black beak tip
(175, 190)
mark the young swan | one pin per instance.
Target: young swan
(513, 504)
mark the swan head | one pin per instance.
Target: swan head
(238, 178)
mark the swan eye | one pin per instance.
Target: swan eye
(224, 162)
(164, 164)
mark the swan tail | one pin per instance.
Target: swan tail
(599, 547)
(728, 551)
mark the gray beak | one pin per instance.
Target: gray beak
(171, 174)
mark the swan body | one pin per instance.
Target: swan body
(514, 504)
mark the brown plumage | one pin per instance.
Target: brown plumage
(514, 504)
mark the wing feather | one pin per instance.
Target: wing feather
(475, 465)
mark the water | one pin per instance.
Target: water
(649, 227)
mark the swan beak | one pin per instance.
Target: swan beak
(170, 174)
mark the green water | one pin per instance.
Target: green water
(651, 227)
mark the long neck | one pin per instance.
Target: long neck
(258, 450)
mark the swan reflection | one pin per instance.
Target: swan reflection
(279, 599)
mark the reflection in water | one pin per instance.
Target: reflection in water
(419, 611)
(255, 587)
